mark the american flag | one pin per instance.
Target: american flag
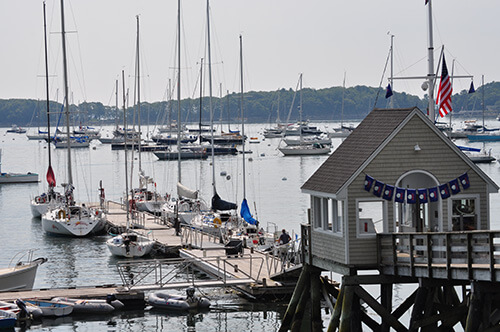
(444, 93)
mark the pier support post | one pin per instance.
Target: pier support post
(316, 295)
(292, 306)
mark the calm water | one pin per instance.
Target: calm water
(272, 188)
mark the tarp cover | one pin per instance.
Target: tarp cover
(183, 191)
(245, 213)
(221, 205)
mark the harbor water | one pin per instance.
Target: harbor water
(272, 189)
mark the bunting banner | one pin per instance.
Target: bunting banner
(455, 188)
(422, 195)
(444, 190)
(368, 182)
(377, 188)
(412, 195)
(388, 192)
(400, 195)
(433, 194)
(464, 180)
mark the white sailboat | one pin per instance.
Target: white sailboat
(71, 219)
(187, 205)
(129, 243)
(51, 199)
(303, 148)
(144, 199)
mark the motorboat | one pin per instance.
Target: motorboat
(130, 244)
(308, 140)
(164, 300)
(302, 150)
(51, 308)
(16, 177)
(16, 129)
(7, 319)
(20, 273)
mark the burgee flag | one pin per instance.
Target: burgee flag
(444, 93)
(471, 88)
(388, 91)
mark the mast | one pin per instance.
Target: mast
(179, 178)
(430, 59)
(300, 108)
(210, 94)
(242, 118)
(66, 93)
(392, 71)
(125, 142)
(342, 110)
(201, 98)
(49, 171)
(482, 92)
(138, 94)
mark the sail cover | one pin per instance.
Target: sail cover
(245, 213)
(221, 205)
(183, 191)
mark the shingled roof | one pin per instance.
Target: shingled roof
(356, 149)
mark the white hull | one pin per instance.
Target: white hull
(154, 207)
(118, 245)
(296, 142)
(18, 178)
(81, 222)
(303, 150)
(19, 277)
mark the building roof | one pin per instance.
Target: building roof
(363, 144)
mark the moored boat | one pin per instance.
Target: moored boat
(21, 272)
(51, 308)
(164, 300)
(91, 305)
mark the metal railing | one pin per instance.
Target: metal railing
(176, 272)
(195, 238)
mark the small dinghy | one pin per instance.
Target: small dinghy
(51, 308)
(164, 300)
(7, 319)
(21, 309)
(91, 305)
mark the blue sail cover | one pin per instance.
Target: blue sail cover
(221, 205)
(245, 213)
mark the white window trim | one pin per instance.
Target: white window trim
(477, 202)
(359, 235)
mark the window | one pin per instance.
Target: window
(328, 214)
(464, 215)
(370, 217)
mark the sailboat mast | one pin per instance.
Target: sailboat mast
(242, 118)
(300, 109)
(47, 80)
(482, 83)
(430, 59)
(392, 70)
(201, 99)
(210, 93)
(66, 92)
(138, 72)
(179, 178)
(342, 110)
(125, 141)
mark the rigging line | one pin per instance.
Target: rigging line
(382, 78)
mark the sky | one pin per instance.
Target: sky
(323, 39)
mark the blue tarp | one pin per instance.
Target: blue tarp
(245, 213)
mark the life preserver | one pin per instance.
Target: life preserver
(61, 214)
(217, 222)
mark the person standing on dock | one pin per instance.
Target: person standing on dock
(284, 237)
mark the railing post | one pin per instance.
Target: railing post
(448, 255)
(469, 255)
(492, 256)
(429, 255)
(412, 256)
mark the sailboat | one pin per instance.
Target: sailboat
(187, 205)
(129, 243)
(71, 219)
(303, 148)
(41, 203)
(144, 198)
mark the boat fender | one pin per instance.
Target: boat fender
(217, 222)
(61, 214)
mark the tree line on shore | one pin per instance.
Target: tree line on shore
(329, 104)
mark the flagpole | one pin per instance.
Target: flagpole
(431, 77)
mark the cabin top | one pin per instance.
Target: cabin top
(363, 144)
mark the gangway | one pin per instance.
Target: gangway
(184, 272)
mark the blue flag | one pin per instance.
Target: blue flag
(377, 188)
(411, 196)
(471, 89)
(388, 192)
(400, 195)
(245, 213)
(368, 182)
(444, 190)
(388, 91)
(455, 188)
(433, 194)
(422, 195)
(464, 180)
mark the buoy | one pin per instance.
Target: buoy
(228, 177)
(284, 179)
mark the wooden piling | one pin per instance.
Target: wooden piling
(316, 296)
(335, 319)
(292, 305)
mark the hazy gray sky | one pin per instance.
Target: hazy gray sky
(281, 38)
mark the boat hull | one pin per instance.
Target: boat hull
(18, 178)
(59, 223)
(19, 277)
